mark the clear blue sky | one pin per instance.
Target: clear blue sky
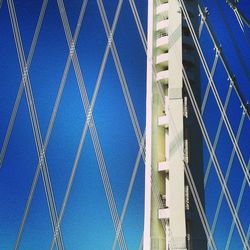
(87, 222)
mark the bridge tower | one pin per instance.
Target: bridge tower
(172, 133)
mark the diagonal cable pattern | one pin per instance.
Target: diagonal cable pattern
(35, 124)
(50, 127)
(215, 92)
(205, 98)
(90, 122)
(230, 74)
(227, 174)
(241, 18)
(217, 136)
(128, 98)
(21, 86)
(242, 189)
(138, 24)
(121, 75)
(215, 161)
(235, 44)
(203, 128)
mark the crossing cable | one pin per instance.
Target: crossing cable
(215, 92)
(89, 117)
(205, 98)
(202, 22)
(90, 123)
(237, 208)
(89, 114)
(154, 192)
(121, 76)
(21, 86)
(135, 116)
(50, 127)
(227, 174)
(128, 98)
(230, 74)
(235, 44)
(217, 136)
(35, 123)
(205, 135)
(215, 160)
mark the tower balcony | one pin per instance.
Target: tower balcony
(162, 42)
(162, 9)
(162, 60)
(163, 213)
(163, 166)
(163, 121)
(162, 25)
(162, 76)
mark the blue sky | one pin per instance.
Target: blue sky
(87, 222)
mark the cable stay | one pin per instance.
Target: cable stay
(127, 96)
(138, 24)
(215, 92)
(128, 99)
(243, 186)
(35, 124)
(230, 74)
(121, 75)
(202, 125)
(205, 98)
(218, 208)
(41, 147)
(235, 43)
(215, 161)
(90, 122)
(217, 136)
(21, 86)
(48, 133)
(239, 14)
(241, 19)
